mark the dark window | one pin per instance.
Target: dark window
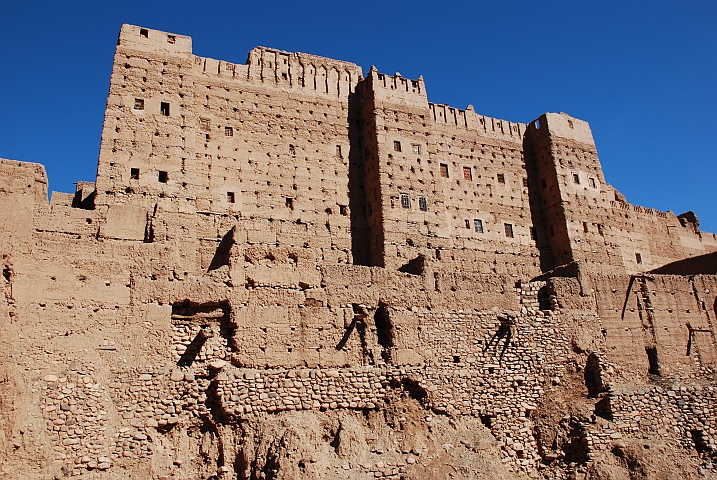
(134, 173)
(591, 182)
(228, 131)
(468, 224)
(138, 104)
(654, 363)
(230, 197)
(501, 178)
(533, 233)
(509, 230)
(478, 224)
(416, 149)
(292, 150)
(600, 229)
(143, 33)
(467, 175)
(525, 182)
(405, 200)
(338, 151)
(343, 210)
(162, 177)
(444, 170)
(638, 258)
(164, 108)
(289, 202)
(585, 227)
(396, 146)
(543, 183)
(423, 203)
(171, 39)
(576, 178)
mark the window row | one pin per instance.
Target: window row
(406, 202)
(415, 148)
(162, 177)
(163, 106)
(477, 225)
(468, 174)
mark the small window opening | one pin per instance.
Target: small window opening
(143, 32)
(162, 177)
(585, 227)
(230, 197)
(592, 183)
(292, 150)
(537, 124)
(338, 152)
(164, 108)
(139, 104)
(468, 224)
(491, 370)
(501, 178)
(478, 224)
(543, 183)
(405, 200)
(228, 132)
(343, 210)
(396, 146)
(533, 233)
(486, 420)
(171, 38)
(204, 124)
(600, 229)
(525, 182)
(134, 173)
(456, 359)
(509, 230)
(467, 174)
(423, 204)
(444, 170)
(570, 123)
(289, 202)
(416, 149)
(638, 258)
(576, 179)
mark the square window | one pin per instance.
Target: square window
(525, 182)
(171, 38)
(396, 146)
(576, 179)
(228, 132)
(134, 173)
(444, 170)
(423, 203)
(164, 108)
(343, 210)
(405, 201)
(143, 33)
(592, 183)
(468, 224)
(162, 177)
(230, 197)
(638, 258)
(289, 202)
(204, 124)
(467, 174)
(478, 224)
(138, 104)
(501, 178)
(416, 149)
(509, 230)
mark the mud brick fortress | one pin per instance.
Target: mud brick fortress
(291, 268)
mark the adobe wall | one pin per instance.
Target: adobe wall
(261, 262)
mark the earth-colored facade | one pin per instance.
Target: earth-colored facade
(285, 269)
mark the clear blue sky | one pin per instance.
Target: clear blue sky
(643, 73)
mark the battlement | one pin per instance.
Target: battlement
(149, 40)
(564, 126)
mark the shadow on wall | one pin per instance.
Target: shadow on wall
(700, 265)
(540, 229)
(357, 196)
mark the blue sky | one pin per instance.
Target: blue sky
(643, 73)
